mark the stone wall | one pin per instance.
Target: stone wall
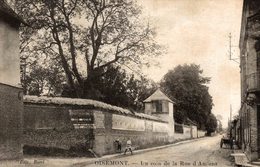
(201, 133)
(11, 110)
(51, 126)
(68, 125)
(142, 132)
(194, 131)
(188, 132)
(65, 123)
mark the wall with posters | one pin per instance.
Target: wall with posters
(142, 132)
(66, 123)
(53, 126)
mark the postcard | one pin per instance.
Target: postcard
(138, 83)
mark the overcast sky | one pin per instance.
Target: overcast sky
(196, 31)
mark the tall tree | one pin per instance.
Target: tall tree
(186, 84)
(86, 36)
(211, 124)
(43, 80)
(117, 87)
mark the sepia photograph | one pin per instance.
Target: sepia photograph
(138, 83)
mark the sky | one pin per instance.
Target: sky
(197, 31)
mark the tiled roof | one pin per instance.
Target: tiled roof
(158, 95)
(5, 9)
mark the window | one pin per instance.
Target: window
(158, 106)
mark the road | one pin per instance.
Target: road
(202, 152)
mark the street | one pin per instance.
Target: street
(202, 152)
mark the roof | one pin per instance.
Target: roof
(85, 102)
(190, 122)
(158, 95)
(6, 10)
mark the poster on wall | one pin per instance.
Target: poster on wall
(120, 58)
(82, 119)
(121, 122)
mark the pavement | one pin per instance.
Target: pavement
(189, 151)
(240, 158)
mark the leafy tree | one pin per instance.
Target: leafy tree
(187, 86)
(219, 119)
(85, 37)
(117, 87)
(220, 127)
(41, 80)
(211, 124)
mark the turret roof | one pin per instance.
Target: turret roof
(158, 95)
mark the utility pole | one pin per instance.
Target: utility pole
(230, 122)
(230, 112)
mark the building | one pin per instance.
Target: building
(11, 105)
(249, 114)
(159, 105)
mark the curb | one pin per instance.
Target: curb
(112, 156)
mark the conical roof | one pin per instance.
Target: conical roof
(158, 95)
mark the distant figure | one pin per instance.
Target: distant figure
(232, 142)
(118, 145)
(128, 146)
(222, 141)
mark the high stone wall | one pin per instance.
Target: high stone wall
(65, 123)
(11, 110)
(49, 124)
(143, 133)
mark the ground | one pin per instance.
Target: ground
(201, 152)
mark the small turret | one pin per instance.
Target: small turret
(158, 104)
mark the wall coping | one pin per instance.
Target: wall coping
(18, 86)
(62, 101)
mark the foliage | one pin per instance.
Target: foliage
(211, 124)
(118, 88)
(85, 37)
(42, 80)
(187, 86)
(220, 127)
(219, 119)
